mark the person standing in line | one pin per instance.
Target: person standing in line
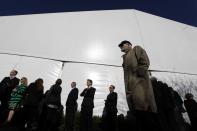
(16, 98)
(87, 107)
(6, 87)
(54, 107)
(139, 91)
(31, 104)
(71, 107)
(110, 110)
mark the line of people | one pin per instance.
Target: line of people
(28, 107)
(145, 99)
(41, 111)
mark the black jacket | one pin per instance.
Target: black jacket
(72, 98)
(6, 87)
(33, 95)
(88, 100)
(191, 107)
(54, 95)
(111, 102)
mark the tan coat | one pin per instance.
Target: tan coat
(139, 90)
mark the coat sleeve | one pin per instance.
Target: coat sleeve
(142, 57)
(92, 92)
(2, 88)
(17, 81)
(3, 81)
(83, 93)
(75, 94)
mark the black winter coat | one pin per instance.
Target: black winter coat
(111, 102)
(72, 98)
(33, 95)
(88, 100)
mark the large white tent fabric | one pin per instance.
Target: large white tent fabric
(80, 45)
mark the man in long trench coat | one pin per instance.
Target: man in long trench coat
(139, 91)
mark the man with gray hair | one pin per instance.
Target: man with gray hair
(71, 107)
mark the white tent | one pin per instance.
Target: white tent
(80, 45)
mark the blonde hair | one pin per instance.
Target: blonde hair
(24, 80)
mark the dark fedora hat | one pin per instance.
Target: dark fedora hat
(124, 42)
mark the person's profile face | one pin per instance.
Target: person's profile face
(13, 73)
(88, 83)
(73, 84)
(125, 47)
(111, 89)
(24, 81)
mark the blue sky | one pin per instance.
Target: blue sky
(184, 11)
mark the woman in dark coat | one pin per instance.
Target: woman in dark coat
(54, 107)
(33, 97)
